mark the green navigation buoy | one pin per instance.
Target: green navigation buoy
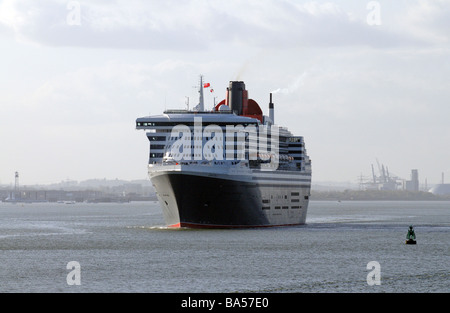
(411, 236)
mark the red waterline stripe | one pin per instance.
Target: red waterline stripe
(193, 225)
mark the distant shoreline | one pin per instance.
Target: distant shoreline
(377, 195)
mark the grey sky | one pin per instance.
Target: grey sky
(358, 85)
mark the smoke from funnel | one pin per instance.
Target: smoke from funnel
(254, 62)
(299, 81)
(242, 69)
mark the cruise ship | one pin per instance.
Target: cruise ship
(227, 167)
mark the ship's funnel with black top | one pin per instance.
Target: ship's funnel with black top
(238, 102)
(237, 97)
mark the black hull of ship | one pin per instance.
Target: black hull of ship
(196, 201)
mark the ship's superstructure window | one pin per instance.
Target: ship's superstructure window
(156, 138)
(157, 147)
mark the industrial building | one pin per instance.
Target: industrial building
(388, 181)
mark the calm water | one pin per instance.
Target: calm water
(126, 248)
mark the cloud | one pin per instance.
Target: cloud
(429, 20)
(120, 24)
(190, 24)
(115, 91)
